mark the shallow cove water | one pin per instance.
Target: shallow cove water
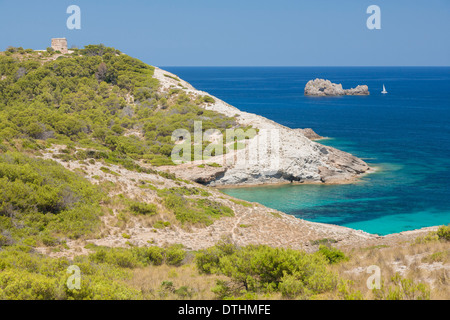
(405, 133)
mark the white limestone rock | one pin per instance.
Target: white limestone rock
(322, 87)
(295, 158)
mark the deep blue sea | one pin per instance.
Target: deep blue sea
(405, 133)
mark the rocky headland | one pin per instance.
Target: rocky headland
(297, 157)
(302, 160)
(322, 87)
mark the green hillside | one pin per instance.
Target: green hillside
(93, 98)
(100, 108)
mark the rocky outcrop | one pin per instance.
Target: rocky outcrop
(310, 134)
(322, 87)
(203, 174)
(295, 159)
(358, 91)
(288, 155)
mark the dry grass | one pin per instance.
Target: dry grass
(411, 260)
(426, 262)
(149, 280)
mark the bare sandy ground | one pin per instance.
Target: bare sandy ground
(252, 224)
(276, 154)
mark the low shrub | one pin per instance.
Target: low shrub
(148, 209)
(161, 224)
(48, 201)
(30, 276)
(202, 211)
(332, 255)
(443, 233)
(174, 255)
(403, 289)
(265, 269)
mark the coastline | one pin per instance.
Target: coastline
(298, 183)
(245, 118)
(299, 158)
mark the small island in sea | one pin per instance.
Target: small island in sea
(87, 176)
(322, 87)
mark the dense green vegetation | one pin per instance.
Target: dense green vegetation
(262, 269)
(25, 275)
(41, 202)
(251, 272)
(105, 107)
(196, 211)
(93, 98)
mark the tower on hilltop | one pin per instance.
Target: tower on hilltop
(60, 44)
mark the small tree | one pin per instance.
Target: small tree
(101, 73)
(11, 49)
(20, 73)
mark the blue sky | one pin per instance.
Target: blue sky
(242, 32)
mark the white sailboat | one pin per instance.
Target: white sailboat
(384, 90)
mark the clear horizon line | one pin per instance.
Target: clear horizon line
(293, 66)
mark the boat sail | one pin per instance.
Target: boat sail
(384, 90)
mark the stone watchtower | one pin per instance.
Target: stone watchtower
(60, 44)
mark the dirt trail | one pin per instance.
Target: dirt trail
(252, 223)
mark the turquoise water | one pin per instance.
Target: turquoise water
(405, 134)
